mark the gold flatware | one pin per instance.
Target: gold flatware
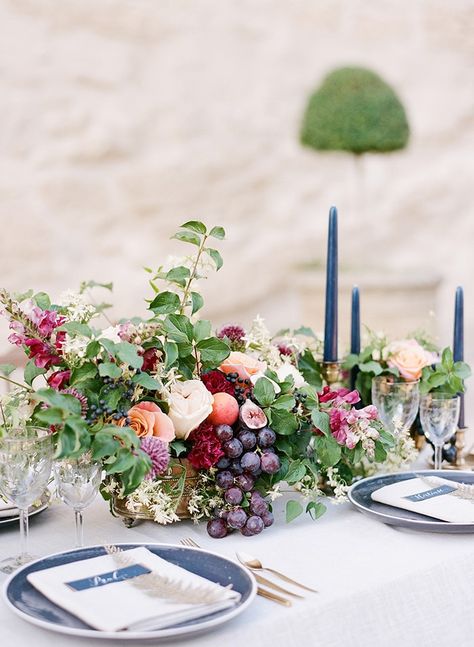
(269, 595)
(255, 564)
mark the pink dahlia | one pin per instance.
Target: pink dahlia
(157, 450)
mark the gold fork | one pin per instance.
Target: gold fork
(269, 595)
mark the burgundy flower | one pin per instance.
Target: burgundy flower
(58, 379)
(285, 350)
(157, 450)
(215, 382)
(150, 359)
(327, 395)
(46, 320)
(232, 333)
(206, 450)
(41, 353)
(339, 425)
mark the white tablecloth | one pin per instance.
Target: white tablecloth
(378, 585)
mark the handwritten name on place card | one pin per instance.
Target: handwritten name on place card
(429, 494)
(119, 575)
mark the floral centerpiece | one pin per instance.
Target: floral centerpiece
(240, 411)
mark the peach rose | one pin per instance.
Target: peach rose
(147, 419)
(243, 364)
(409, 357)
(190, 404)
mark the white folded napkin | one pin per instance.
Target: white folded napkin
(134, 590)
(431, 496)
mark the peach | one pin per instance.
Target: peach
(225, 409)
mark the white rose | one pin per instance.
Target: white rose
(190, 403)
(287, 370)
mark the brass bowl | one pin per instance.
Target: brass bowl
(175, 472)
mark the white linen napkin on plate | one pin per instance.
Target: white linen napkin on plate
(431, 496)
(134, 590)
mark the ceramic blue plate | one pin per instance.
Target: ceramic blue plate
(35, 608)
(360, 496)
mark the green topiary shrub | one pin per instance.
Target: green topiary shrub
(355, 110)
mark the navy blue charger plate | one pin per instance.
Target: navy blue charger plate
(360, 496)
(35, 608)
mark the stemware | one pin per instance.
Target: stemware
(397, 402)
(77, 483)
(26, 456)
(439, 413)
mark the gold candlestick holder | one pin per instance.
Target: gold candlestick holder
(331, 372)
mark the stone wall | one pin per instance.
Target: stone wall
(123, 118)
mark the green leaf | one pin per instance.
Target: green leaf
(462, 370)
(74, 439)
(109, 369)
(42, 300)
(171, 353)
(178, 275)
(327, 450)
(351, 361)
(456, 384)
(165, 303)
(305, 331)
(293, 509)
(123, 461)
(66, 402)
(109, 346)
(216, 257)
(146, 381)
(197, 302)
(51, 416)
(178, 447)
(128, 354)
(76, 328)
(31, 371)
(447, 358)
(320, 420)
(93, 349)
(295, 472)
(315, 509)
(112, 398)
(93, 284)
(187, 237)
(283, 422)
(7, 369)
(196, 226)
(212, 351)
(178, 328)
(132, 477)
(264, 391)
(202, 330)
(285, 402)
(380, 453)
(217, 232)
(371, 367)
(104, 444)
(310, 369)
(436, 379)
(85, 372)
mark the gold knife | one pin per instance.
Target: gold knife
(273, 597)
(263, 580)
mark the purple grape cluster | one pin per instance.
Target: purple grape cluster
(248, 454)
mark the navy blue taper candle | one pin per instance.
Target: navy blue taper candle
(355, 330)
(458, 342)
(330, 320)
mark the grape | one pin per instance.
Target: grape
(217, 528)
(245, 482)
(225, 479)
(257, 504)
(267, 518)
(233, 448)
(270, 463)
(234, 496)
(224, 433)
(223, 463)
(266, 437)
(268, 450)
(246, 532)
(248, 439)
(237, 518)
(254, 525)
(236, 468)
(250, 462)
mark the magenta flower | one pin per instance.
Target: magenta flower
(41, 353)
(58, 379)
(157, 450)
(232, 333)
(339, 425)
(17, 337)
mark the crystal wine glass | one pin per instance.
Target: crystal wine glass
(397, 403)
(77, 483)
(26, 456)
(439, 414)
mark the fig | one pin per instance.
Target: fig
(252, 416)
